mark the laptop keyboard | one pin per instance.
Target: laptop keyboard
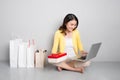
(82, 58)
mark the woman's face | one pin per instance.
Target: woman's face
(71, 25)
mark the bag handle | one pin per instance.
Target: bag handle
(29, 42)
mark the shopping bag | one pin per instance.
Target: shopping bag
(40, 58)
(30, 54)
(56, 58)
(22, 62)
(13, 52)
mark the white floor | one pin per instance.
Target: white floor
(96, 71)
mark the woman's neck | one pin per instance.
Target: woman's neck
(68, 34)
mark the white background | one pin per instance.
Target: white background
(39, 19)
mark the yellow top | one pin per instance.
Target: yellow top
(59, 42)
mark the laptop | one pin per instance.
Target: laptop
(91, 54)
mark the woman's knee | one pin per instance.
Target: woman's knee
(86, 64)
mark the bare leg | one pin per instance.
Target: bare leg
(86, 64)
(81, 65)
(72, 64)
(64, 65)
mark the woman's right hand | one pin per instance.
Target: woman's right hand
(83, 53)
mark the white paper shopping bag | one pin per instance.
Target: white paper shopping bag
(13, 53)
(22, 62)
(30, 54)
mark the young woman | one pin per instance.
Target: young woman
(67, 39)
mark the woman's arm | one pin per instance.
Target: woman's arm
(80, 46)
(79, 43)
(55, 43)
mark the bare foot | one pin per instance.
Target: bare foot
(59, 68)
(80, 69)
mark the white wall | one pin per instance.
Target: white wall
(39, 19)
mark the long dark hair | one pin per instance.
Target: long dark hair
(68, 18)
